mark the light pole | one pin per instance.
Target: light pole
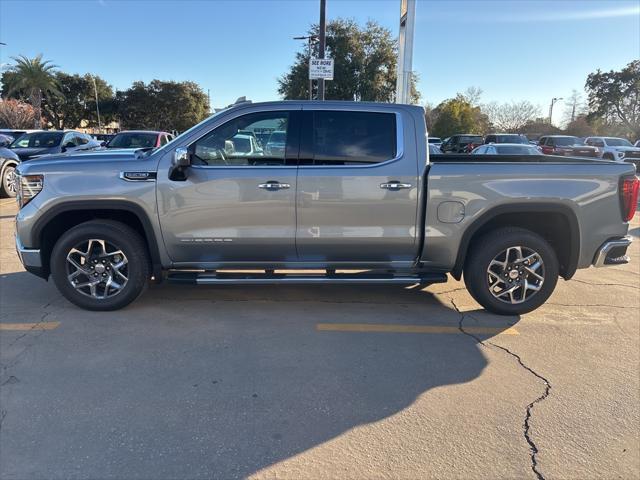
(95, 89)
(310, 39)
(553, 101)
(405, 50)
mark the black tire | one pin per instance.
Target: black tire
(8, 178)
(608, 156)
(494, 245)
(117, 236)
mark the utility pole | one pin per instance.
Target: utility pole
(405, 51)
(310, 39)
(323, 26)
(553, 101)
(95, 89)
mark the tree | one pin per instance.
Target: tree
(16, 114)
(457, 115)
(538, 127)
(364, 64)
(575, 107)
(511, 117)
(473, 95)
(34, 78)
(77, 103)
(580, 127)
(162, 105)
(615, 96)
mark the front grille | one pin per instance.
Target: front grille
(632, 154)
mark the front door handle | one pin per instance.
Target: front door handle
(395, 185)
(272, 185)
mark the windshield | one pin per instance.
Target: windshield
(38, 140)
(470, 139)
(568, 141)
(516, 150)
(618, 142)
(511, 139)
(133, 140)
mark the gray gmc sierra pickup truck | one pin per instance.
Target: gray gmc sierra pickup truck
(277, 192)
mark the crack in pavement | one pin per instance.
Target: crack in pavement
(529, 411)
(16, 358)
(604, 305)
(636, 287)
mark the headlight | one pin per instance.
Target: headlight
(28, 187)
(621, 154)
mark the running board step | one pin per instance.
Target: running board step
(230, 278)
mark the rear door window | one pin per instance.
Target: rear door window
(353, 138)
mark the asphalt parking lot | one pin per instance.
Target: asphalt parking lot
(319, 382)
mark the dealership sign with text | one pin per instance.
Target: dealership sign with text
(321, 68)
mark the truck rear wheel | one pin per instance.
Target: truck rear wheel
(511, 271)
(100, 265)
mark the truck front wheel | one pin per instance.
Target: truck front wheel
(100, 265)
(511, 271)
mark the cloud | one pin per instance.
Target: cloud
(574, 15)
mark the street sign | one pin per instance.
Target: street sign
(321, 68)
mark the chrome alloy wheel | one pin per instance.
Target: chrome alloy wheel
(97, 268)
(11, 181)
(515, 274)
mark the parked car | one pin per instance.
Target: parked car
(47, 142)
(15, 133)
(245, 145)
(135, 139)
(462, 143)
(276, 144)
(103, 137)
(506, 149)
(566, 145)
(9, 161)
(347, 191)
(506, 138)
(437, 141)
(613, 148)
(434, 149)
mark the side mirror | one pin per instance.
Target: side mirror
(67, 146)
(179, 164)
(5, 142)
(103, 144)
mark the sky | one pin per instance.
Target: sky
(512, 49)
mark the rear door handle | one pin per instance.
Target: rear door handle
(395, 185)
(273, 185)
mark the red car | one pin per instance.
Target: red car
(139, 139)
(566, 145)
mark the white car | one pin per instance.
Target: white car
(437, 141)
(613, 148)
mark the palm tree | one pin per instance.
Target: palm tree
(34, 77)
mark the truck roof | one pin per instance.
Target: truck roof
(329, 103)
